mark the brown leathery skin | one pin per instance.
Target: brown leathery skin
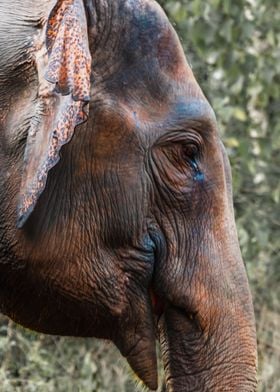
(139, 203)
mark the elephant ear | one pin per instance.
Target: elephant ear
(64, 91)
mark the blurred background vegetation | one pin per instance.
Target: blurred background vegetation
(234, 50)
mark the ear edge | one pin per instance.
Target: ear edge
(31, 190)
(32, 195)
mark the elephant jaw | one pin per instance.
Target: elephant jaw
(142, 359)
(136, 341)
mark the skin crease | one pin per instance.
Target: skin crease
(136, 216)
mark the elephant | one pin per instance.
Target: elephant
(116, 211)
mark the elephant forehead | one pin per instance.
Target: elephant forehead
(140, 42)
(177, 112)
(126, 129)
(143, 67)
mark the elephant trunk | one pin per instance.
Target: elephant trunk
(207, 329)
(198, 359)
(208, 336)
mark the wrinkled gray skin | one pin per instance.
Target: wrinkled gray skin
(134, 234)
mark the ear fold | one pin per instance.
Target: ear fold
(62, 97)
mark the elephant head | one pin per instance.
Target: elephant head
(112, 167)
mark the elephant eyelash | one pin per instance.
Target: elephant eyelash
(194, 165)
(198, 175)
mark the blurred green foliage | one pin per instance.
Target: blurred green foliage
(38, 363)
(234, 50)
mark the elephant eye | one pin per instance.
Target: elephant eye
(191, 155)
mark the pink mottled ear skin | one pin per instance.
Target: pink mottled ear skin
(67, 43)
(61, 105)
